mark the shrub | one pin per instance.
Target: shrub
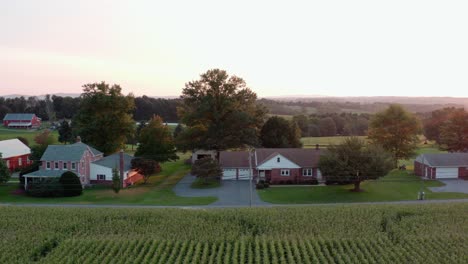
(259, 186)
(48, 187)
(26, 170)
(71, 184)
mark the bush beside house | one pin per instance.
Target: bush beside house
(67, 185)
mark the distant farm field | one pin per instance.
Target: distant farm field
(6, 133)
(310, 142)
(423, 233)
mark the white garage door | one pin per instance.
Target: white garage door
(229, 174)
(446, 173)
(244, 174)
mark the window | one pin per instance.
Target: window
(306, 172)
(278, 159)
(101, 177)
(20, 161)
(73, 165)
(284, 172)
(48, 165)
(65, 166)
(56, 165)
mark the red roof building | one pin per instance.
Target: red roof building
(21, 121)
(15, 153)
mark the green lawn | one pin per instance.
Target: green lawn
(205, 184)
(310, 142)
(6, 133)
(397, 186)
(158, 191)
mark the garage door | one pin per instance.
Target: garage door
(229, 174)
(244, 174)
(446, 173)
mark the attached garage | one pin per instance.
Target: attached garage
(446, 173)
(244, 174)
(229, 174)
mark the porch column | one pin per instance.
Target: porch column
(25, 183)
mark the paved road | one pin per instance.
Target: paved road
(453, 185)
(230, 193)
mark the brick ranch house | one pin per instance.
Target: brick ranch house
(21, 120)
(15, 153)
(442, 166)
(279, 166)
(82, 160)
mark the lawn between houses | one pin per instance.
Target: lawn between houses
(158, 191)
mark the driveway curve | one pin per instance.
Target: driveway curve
(230, 193)
(452, 185)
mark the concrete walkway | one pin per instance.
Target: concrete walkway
(453, 185)
(230, 193)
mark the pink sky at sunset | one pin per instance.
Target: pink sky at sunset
(337, 48)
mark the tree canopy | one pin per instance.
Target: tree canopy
(354, 161)
(206, 169)
(220, 112)
(396, 130)
(65, 133)
(278, 132)
(104, 119)
(433, 125)
(156, 142)
(145, 167)
(4, 171)
(454, 132)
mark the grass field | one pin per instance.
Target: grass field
(397, 186)
(158, 191)
(425, 233)
(6, 133)
(310, 142)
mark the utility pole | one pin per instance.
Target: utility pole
(423, 174)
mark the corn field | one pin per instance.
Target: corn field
(428, 233)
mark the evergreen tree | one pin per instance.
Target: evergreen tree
(4, 171)
(65, 133)
(116, 184)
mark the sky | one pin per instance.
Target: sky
(333, 48)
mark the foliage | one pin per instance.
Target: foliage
(25, 170)
(419, 234)
(44, 138)
(24, 140)
(327, 127)
(156, 142)
(145, 167)
(221, 111)
(433, 124)
(178, 129)
(207, 169)
(65, 133)
(146, 107)
(104, 119)
(116, 183)
(47, 187)
(4, 171)
(278, 132)
(396, 130)
(71, 184)
(454, 132)
(354, 161)
(332, 124)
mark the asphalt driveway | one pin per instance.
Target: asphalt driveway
(230, 193)
(452, 185)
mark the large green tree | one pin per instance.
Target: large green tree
(105, 117)
(220, 112)
(355, 161)
(454, 132)
(65, 133)
(207, 169)
(396, 130)
(440, 118)
(156, 142)
(278, 132)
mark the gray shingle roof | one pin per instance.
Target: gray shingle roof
(302, 157)
(17, 116)
(112, 161)
(72, 152)
(444, 159)
(46, 173)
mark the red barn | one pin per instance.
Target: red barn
(15, 153)
(21, 121)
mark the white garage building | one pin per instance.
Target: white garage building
(442, 166)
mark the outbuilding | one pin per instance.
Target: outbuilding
(15, 153)
(442, 166)
(21, 120)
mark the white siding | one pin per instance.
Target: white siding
(98, 169)
(273, 163)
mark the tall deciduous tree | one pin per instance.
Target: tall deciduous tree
(156, 142)
(207, 169)
(396, 130)
(278, 132)
(433, 125)
(65, 133)
(220, 112)
(105, 117)
(42, 140)
(355, 161)
(454, 132)
(4, 171)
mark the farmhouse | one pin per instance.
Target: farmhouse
(442, 166)
(58, 159)
(15, 153)
(279, 166)
(101, 170)
(21, 121)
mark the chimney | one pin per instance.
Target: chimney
(78, 139)
(121, 167)
(317, 147)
